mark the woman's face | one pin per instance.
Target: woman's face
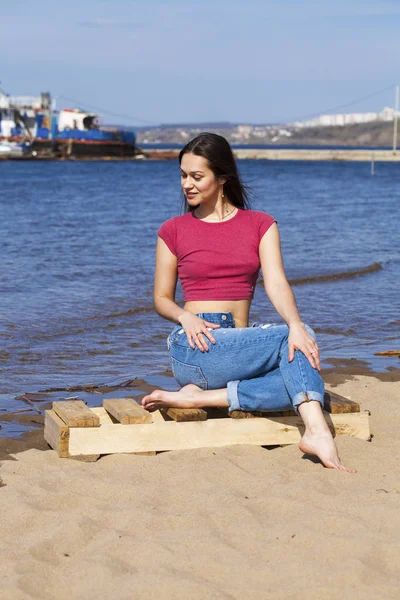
(199, 183)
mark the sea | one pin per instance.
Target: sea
(77, 264)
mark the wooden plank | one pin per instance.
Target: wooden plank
(172, 435)
(337, 404)
(56, 433)
(127, 411)
(157, 416)
(75, 413)
(242, 414)
(105, 419)
(246, 414)
(103, 415)
(354, 424)
(333, 403)
(186, 414)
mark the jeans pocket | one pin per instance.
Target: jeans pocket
(185, 374)
(178, 337)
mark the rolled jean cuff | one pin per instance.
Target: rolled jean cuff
(233, 398)
(306, 397)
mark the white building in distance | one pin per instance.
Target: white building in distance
(340, 120)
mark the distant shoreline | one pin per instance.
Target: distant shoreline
(374, 134)
(294, 154)
(278, 154)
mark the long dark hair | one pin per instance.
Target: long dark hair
(218, 153)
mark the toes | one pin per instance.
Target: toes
(348, 470)
(339, 467)
(149, 399)
(152, 404)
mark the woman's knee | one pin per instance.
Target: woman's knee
(278, 332)
(283, 331)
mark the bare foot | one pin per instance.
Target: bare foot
(321, 444)
(190, 396)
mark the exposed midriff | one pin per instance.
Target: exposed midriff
(240, 309)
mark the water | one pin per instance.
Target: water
(77, 263)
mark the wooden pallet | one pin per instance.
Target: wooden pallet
(121, 425)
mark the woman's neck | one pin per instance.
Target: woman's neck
(219, 212)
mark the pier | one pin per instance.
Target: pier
(294, 154)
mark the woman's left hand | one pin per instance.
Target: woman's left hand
(300, 339)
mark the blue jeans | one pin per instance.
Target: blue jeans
(251, 362)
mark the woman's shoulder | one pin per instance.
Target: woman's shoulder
(171, 230)
(257, 222)
(254, 213)
(176, 221)
(257, 216)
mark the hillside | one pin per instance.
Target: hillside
(376, 133)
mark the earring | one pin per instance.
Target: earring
(223, 193)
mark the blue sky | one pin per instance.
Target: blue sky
(195, 61)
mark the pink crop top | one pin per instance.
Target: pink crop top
(220, 260)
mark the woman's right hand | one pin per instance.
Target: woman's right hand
(196, 330)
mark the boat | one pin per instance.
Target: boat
(35, 126)
(13, 149)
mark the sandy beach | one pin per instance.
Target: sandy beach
(237, 522)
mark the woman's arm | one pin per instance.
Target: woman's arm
(166, 277)
(165, 280)
(276, 285)
(280, 293)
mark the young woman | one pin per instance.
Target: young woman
(216, 249)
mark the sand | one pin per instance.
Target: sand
(240, 522)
